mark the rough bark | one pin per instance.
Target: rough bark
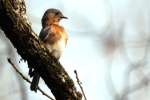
(14, 23)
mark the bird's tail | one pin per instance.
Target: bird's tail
(35, 82)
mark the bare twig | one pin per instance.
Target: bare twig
(79, 83)
(26, 79)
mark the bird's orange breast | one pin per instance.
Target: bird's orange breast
(59, 30)
(56, 41)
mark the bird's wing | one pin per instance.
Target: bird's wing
(44, 33)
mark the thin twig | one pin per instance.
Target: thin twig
(26, 79)
(79, 83)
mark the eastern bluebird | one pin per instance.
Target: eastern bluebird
(54, 37)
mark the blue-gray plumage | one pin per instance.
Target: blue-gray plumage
(44, 33)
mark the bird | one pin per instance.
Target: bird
(53, 36)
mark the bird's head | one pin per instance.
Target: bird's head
(52, 16)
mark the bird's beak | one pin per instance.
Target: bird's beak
(64, 17)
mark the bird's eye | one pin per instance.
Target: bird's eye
(56, 13)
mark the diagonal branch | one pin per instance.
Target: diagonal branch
(27, 80)
(15, 25)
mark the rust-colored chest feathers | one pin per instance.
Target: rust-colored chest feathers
(55, 39)
(56, 34)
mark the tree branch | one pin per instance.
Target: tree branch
(15, 25)
(27, 80)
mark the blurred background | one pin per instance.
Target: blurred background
(108, 45)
